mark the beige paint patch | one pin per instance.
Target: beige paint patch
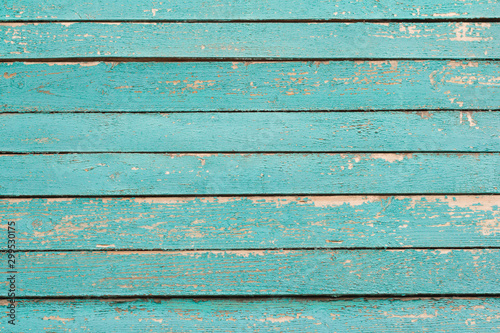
(248, 253)
(424, 315)
(66, 63)
(490, 227)
(464, 64)
(89, 64)
(475, 203)
(468, 114)
(13, 24)
(391, 158)
(64, 320)
(193, 232)
(282, 319)
(52, 200)
(464, 32)
(16, 200)
(162, 200)
(8, 76)
(335, 201)
(45, 140)
(446, 14)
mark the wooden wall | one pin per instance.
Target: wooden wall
(251, 165)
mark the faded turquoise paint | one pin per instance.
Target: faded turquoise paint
(277, 86)
(189, 174)
(259, 315)
(251, 132)
(253, 222)
(251, 40)
(211, 246)
(256, 272)
(49, 10)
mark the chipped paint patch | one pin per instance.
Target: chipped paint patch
(490, 227)
(335, 201)
(468, 114)
(450, 14)
(9, 76)
(475, 203)
(391, 158)
(467, 32)
(424, 315)
(6, 24)
(57, 318)
(463, 64)
(282, 319)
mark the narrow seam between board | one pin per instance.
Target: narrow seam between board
(257, 21)
(305, 249)
(107, 196)
(253, 152)
(327, 297)
(263, 152)
(151, 112)
(246, 111)
(265, 195)
(230, 59)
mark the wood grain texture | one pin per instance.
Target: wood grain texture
(156, 193)
(275, 86)
(253, 222)
(257, 272)
(251, 132)
(201, 174)
(458, 40)
(259, 315)
(49, 10)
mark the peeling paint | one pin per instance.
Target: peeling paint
(391, 158)
(57, 318)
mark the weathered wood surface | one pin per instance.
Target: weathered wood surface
(201, 174)
(257, 272)
(458, 40)
(258, 315)
(276, 86)
(253, 222)
(251, 132)
(246, 10)
(239, 204)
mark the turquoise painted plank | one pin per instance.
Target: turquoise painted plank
(460, 40)
(201, 174)
(253, 222)
(256, 272)
(257, 315)
(251, 132)
(276, 86)
(49, 10)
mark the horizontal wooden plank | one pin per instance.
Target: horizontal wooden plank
(256, 272)
(257, 315)
(275, 86)
(251, 132)
(245, 10)
(226, 223)
(200, 174)
(461, 40)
